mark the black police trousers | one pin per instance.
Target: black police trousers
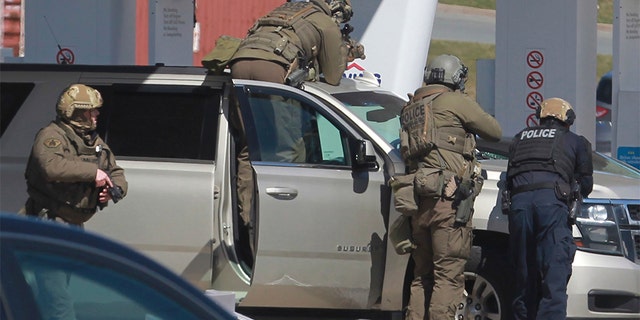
(542, 251)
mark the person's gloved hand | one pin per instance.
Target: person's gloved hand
(356, 51)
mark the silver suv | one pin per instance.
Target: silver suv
(321, 224)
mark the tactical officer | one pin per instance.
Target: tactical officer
(295, 42)
(71, 173)
(447, 181)
(545, 162)
(298, 35)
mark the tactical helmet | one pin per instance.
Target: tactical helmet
(340, 10)
(78, 97)
(446, 69)
(557, 108)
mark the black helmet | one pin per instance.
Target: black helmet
(446, 69)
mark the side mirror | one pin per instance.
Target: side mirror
(364, 155)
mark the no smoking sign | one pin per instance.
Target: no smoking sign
(65, 56)
(535, 59)
(535, 80)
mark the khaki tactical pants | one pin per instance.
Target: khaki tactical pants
(441, 254)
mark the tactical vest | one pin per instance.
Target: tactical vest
(540, 149)
(75, 202)
(419, 134)
(285, 32)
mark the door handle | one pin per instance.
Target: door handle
(282, 193)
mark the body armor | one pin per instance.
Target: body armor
(419, 135)
(540, 149)
(285, 32)
(74, 202)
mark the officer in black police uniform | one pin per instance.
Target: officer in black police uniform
(544, 163)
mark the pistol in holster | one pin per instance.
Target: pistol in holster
(575, 200)
(463, 200)
(506, 201)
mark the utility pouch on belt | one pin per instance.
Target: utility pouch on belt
(400, 235)
(218, 58)
(404, 197)
(430, 182)
(563, 191)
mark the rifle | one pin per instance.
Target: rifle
(346, 31)
(297, 77)
(356, 50)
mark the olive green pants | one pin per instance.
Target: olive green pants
(441, 254)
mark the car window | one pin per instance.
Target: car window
(160, 121)
(290, 130)
(95, 291)
(12, 95)
(381, 111)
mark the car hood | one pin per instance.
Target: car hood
(612, 186)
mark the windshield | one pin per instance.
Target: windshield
(601, 162)
(380, 110)
(607, 164)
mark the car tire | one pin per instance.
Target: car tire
(487, 295)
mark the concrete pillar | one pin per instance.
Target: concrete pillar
(545, 49)
(626, 82)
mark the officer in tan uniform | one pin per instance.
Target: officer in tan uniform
(71, 173)
(298, 34)
(441, 229)
(298, 41)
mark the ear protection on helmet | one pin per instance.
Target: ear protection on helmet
(556, 108)
(447, 69)
(341, 10)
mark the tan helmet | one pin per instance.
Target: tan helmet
(341, 10)
(446, 69)
(78, 96)
(557, 108)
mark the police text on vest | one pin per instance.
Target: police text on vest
(538, 133)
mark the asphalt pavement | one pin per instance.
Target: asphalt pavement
(459, 23)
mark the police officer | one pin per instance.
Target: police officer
(544, 162)
(297, 41)
(71, 173)
(441, 229)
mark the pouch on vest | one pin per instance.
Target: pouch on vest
(218, 58)
(404, 198)
(430, 182)
(469, 149)
(400, 235)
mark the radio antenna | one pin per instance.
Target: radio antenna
(64, 58)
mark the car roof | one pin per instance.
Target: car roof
(18, 227)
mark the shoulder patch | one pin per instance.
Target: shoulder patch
(52, 143)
